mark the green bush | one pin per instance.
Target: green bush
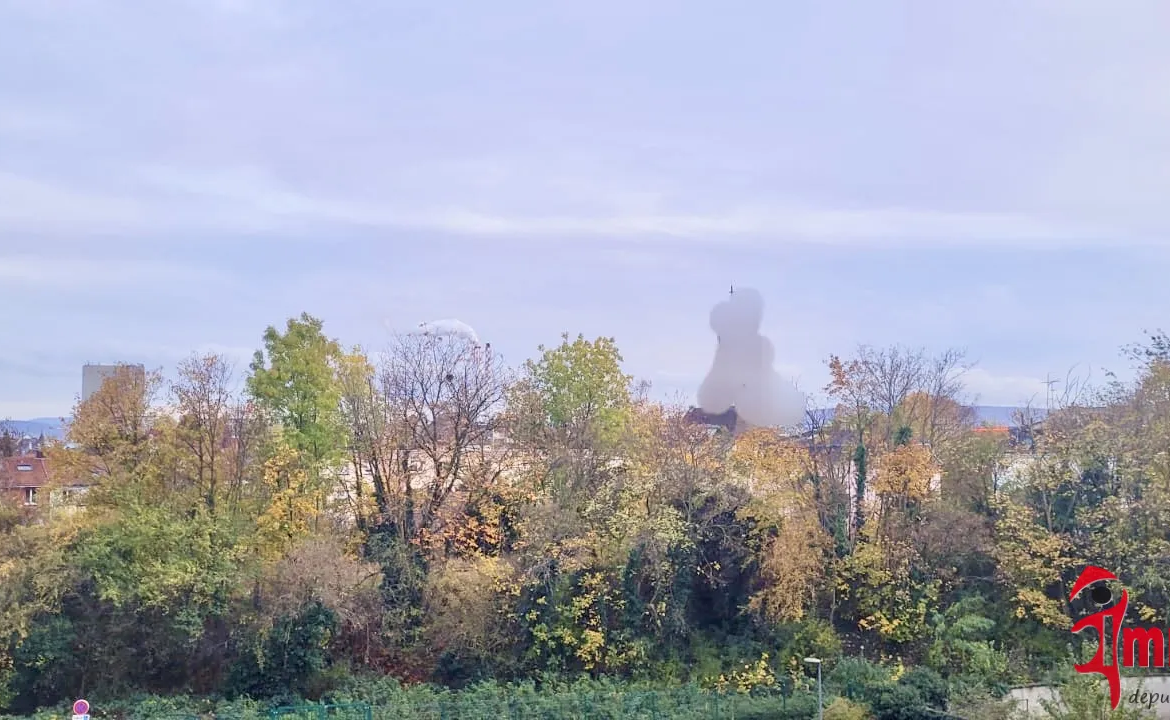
(842, 709)
(857, 679)
(389, 700)
(929, 684)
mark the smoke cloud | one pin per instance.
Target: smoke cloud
(742, 375)
(449, 327)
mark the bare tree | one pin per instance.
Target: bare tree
(830, 462)
(946, 413)
(890, 375)
(203, 396)
(1027, 420)
(905, 387)
(376, 446)
(445, 394)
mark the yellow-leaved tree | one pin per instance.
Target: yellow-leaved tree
(903, 476)
(294, 502)
(879, 579)
(1031, 561)
(790, 543)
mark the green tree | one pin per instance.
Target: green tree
(9, 439)
(283, 662)
(294, 379)
(860, 481)
(581, 394)
(963, 647)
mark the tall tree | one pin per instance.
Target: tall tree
(445, 395)
(203, 396)
(9, 439)
(793, 545)
(570, 411)
(887, 376)
(294, 380)
(111, 430)
(364, 419)
(583, 395)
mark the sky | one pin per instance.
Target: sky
(177, 175)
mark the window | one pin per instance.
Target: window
(30, 496)
(24, 467)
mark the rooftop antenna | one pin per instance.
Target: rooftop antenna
(1049, 381)
(732, 289)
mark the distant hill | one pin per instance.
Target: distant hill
(1001, 414)
(51, 427)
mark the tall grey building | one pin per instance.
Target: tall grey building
(92, 376)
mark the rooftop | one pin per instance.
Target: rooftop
(23, 471)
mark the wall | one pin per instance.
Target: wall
(1028, 698)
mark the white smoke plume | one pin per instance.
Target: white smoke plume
(742, 375)
(449, 327)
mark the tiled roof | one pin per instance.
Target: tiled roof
(727, 419)
(23, 471)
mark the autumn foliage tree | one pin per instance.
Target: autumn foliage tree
(203, 397)
(430, 513)
(792, 544)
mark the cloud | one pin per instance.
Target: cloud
(28, 271)
(28, 121)
(31, 205)
(481, 149)
(245, 200)
(793, 224)
(138, 131)
(249, 192)
(992, 389)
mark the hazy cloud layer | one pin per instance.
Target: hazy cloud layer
(182, 173)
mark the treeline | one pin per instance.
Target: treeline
(432, 514)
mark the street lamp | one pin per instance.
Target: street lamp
(820, 697)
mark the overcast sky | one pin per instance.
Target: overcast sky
(176, 175)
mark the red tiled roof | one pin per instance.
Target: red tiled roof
(23, 471)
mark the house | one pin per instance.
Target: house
(27, 481)
(24, 480)
(994, 431)
(728, 419)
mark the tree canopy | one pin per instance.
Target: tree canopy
(431, 514)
